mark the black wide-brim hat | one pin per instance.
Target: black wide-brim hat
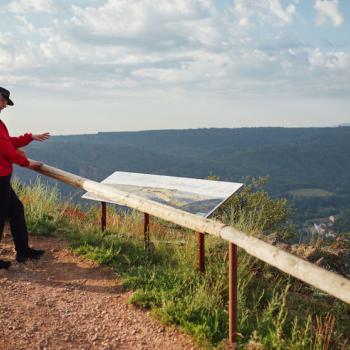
(6, 95)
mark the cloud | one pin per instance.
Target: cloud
(182, 46)
(329, 72)
(286, 15)
(330, 60)
(5, 38)
(121, 18)
(328, 10)
(264, 12)
(147, 23)
(244, 22)
(25, 26)
(25, 6)
(5, 57)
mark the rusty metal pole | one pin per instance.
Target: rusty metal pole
(103, 216)
(146, 230)
(233, 295)
(201, 252)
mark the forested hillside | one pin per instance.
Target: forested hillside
(309, 166)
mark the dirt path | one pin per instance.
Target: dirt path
(65, 302)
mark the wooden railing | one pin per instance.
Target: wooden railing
(305, 271)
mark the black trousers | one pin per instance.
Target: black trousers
(11, 208)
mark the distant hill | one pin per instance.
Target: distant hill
(312, 160)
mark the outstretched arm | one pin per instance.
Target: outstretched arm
(24, 140)
(41, 137)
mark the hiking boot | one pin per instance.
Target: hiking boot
(4, 264)
(30, 253)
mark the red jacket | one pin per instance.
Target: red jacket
(9, 153)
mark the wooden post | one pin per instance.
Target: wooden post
(146, 230)
(233, 295)
(103, 216)
(201, 252)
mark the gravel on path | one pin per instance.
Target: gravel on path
(63, 301)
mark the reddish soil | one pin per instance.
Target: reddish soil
(65, 302)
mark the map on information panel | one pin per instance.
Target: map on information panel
(200, 197)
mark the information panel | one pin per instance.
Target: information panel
(199, 197)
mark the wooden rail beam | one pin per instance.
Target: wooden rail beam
(305, 271)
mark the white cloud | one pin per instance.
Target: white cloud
(162, 46)
(331, 60)
(199, 67)
(286, 15)
(5, 58)
(25, 6)
(125, 19)
(5, 38)
(244, 22)
(328, 9)
(26, 26)
(264, 11)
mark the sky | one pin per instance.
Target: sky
(85, 66)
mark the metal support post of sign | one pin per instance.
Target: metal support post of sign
(146, 230)
(103, 216)
(233, 295)
(201, 252)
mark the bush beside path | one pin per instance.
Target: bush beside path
(63, 301)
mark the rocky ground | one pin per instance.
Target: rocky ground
(65, 302)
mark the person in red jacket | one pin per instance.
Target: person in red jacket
(11, 207)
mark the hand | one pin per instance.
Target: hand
(41, 137)
(33, 164)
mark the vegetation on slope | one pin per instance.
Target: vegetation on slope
(275, 311)
(295, 159)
